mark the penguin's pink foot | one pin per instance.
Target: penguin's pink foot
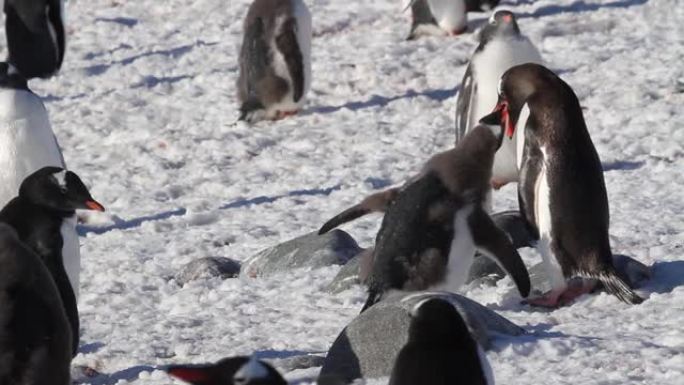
(561, 297)
(498, 183)
(457, 32)
(285, 114)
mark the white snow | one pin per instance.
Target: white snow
(144, 110)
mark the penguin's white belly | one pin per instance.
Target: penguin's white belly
(27, 142)
(488, 66)
(304, 33)
(71, 252)
(461, 253)
(450, 15)
(542, 213)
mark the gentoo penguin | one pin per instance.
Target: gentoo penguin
(561, 189)
(481, 5)
(47, 198)
(501, 47)
(275, 59)
(440, 350)
(434, 224)
(35, 36)
(240, 370)
(437, 17)
(27, 144)
(35, 343)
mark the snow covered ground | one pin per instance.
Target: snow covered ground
(144, 110)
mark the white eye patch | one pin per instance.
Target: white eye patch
(492, 19)
(60, 177)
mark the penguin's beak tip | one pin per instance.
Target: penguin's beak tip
(94, 205)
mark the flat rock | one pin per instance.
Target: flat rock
(304, 361)
(367, 347)
(209, 267)
(347, 277)
(309, 251)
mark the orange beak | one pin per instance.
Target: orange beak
(93, 205)
(502, 107)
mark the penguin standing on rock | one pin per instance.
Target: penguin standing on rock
(434, 224)
(437, 17)
(275, 59)
(35, 343)
(40, 215)
(561, 190)
(440, 350)
(239, 370)
(35, 36)
(501, 47)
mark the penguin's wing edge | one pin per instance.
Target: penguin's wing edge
(464, 103)
(288, 46)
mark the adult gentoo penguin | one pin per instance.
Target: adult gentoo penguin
(275, 59)
(437, 17)
(434, 224)
(440, 350)
(35, 348)
(480, 5)
(35, 36)
(46, 203)
(561, 190)
(239, 370)
(501, 47)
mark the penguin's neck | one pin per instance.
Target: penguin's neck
(48, 210)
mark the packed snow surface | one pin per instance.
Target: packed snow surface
(145, 109)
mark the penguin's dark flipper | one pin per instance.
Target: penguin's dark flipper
(513, 224)
(464, 103)
(494, 243)
(377, 202)
(288, 46)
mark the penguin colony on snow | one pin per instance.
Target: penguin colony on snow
(516, 121)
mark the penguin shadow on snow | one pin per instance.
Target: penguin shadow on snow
(578, 7)
(438, 95)
(622, 165)
(127, 375)
(666, 277)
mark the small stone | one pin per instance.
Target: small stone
(208, 267)
(309, 251)
(305, 361)
(367, 347)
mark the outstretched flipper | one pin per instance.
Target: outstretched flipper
(513, 224)
(377, 202)
(464, 103)
(494, 243)
(254, 62)
(288, 46)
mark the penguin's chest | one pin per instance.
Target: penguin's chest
(461, 252)
(542, 201)
(71, 257)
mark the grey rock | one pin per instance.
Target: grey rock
(208, 267)
(304, 361)
(347, 277)
(308, 251)
(367, 347)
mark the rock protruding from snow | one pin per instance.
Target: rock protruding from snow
(308, 251)
(367, 347)
(209, 267)
(304, 361)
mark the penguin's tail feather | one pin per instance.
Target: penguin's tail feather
(617, 286)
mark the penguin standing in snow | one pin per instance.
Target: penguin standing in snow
(35, 36)
(35, 347)
(561, 189)
(40, 214)
(239, 370)
(501, 47)
(27, 144)
(440, 350)
(437, 17)
(434, 224)
(275, 59)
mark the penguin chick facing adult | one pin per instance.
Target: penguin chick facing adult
(440, 350)
(47, 200)
(501, 47)
(35, 343)
(241, 370)
(35, 36)
(436, 222)
(437, 17)
(561, 190)
(275, 59)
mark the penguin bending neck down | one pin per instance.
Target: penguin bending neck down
(435, 223)
(561, 189)
(275, 60)
(47, 199)
(241, 370)
(440, 349)
(35, 36)
(35, 347)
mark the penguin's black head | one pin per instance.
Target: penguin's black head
(437, 321)
(57, 189)
(235, 370)
(500, 24)
(493, 122)
(11, 78)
